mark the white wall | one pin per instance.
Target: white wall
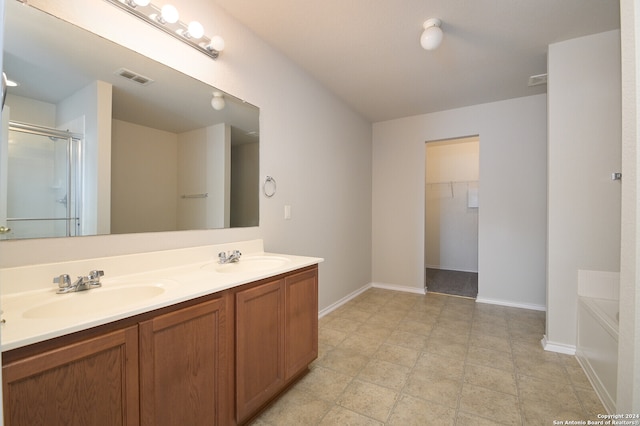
(317, 149)
(218, 175)
(31, 111)
(144, 193)
(584, 149)
(90, 108)
(628, 394)
(512, 219)
(192, 169)
(451, 234)
(204, 167)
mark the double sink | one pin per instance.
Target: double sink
(122, 292)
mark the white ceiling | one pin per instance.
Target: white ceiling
(368, 51)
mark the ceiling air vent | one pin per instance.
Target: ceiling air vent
(537, 80)
(133, 76)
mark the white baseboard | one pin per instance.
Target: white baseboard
(557, 347)
(511, 304)
(344, 300)
(396, 287)
(417, 290)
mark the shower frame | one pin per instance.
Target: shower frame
(73, 173)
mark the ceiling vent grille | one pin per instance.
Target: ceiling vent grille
(134, 76)
(537, 80)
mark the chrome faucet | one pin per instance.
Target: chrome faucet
(230, 257)
(82, 283)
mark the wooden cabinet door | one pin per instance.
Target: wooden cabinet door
(92, 382)
(301, 321)
(182, 367)
(259, 346)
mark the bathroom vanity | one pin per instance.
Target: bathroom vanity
(191, 356)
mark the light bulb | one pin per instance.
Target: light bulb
(217, 43)
(432, 35)
(217, 102)
(142, 3)
(169, 13)
(195, 29)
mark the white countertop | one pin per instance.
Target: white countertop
(177, 281)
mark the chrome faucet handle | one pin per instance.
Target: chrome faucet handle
(234, 256)
(228, 257)
(63, 281)
(93, 280)
(95, 275)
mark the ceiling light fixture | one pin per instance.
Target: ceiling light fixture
(134, 3)
(432, 35)
(167, 19)
(217, 102)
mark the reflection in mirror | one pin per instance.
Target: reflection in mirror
(99, 139)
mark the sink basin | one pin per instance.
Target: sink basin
(96, 300)
(248, 264)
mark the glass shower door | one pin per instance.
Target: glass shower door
(42, 182)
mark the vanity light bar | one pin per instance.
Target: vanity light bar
(153, 15)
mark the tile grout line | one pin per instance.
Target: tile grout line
(515, 376)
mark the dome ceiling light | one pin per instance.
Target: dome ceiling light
(432, 35)
(217, 102)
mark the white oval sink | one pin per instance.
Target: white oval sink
(248, 264)
(96, 301)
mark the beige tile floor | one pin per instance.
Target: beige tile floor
(394, 358)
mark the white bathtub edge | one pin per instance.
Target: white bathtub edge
(601, 391)
(598, 307)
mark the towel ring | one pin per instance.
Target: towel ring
(269, 187)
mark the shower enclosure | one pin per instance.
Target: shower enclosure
(40, 185)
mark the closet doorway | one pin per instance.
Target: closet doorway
(451, 216)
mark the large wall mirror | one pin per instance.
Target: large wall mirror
(98, 139)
